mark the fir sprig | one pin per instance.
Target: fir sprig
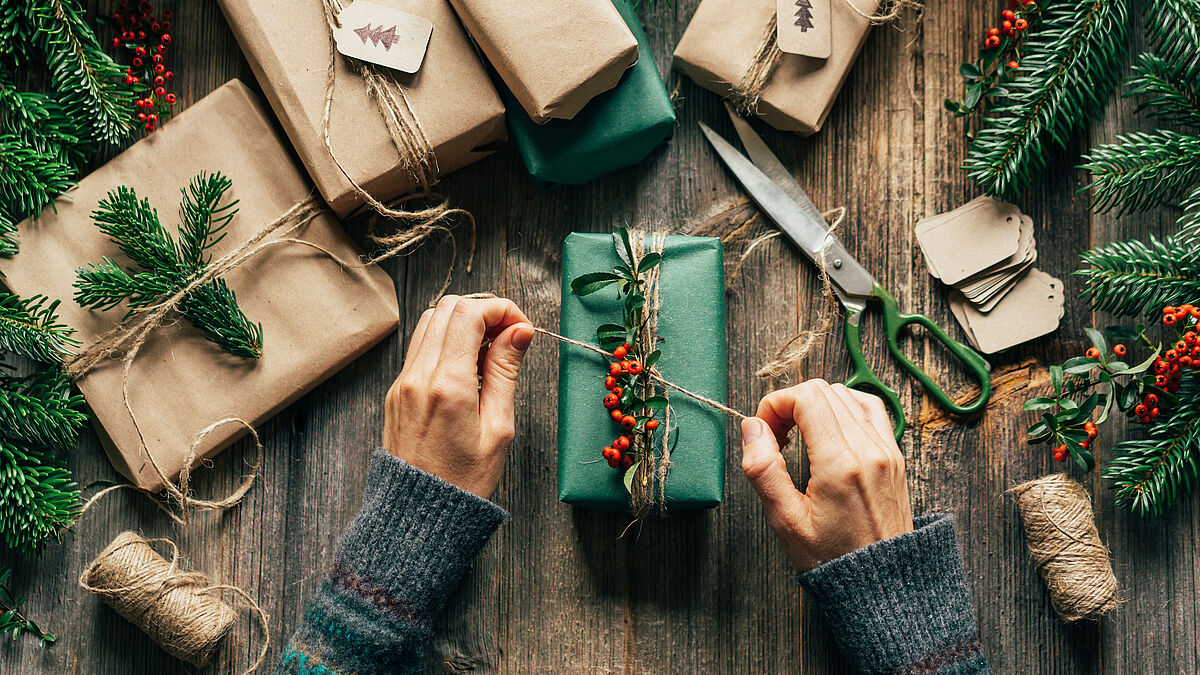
(13, 621)
(1069, 67)
(168, 266)
(1143, 169)
(39, 497)
(1131, 278)
(1150, 473)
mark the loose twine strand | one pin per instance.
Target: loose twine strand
(642, 495)
(747, 92)
(179, 610)
(1065, 545)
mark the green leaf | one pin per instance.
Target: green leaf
(623, 246)
(648, 262)
(1056, 378)
(969, 71)
(1128, 397)
(1097, 339)
(973, 94)
(652, 359)
(629, 473)
(1080, 365)
(586, 284)
(656, 402)
(1040, 403)
(1139, 368)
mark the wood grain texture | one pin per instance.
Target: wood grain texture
(559, 589)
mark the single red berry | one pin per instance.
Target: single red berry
(166, 25)
(611, 401)
(635, 367)
(651, 425)
(614, 369)
(160, 68)
(157, 58)
(159, 80)
(1020, 24)
(993, 31)
(136, 79)
(1181, 346)
(137, 63)
(617, 415)
(1185, 361)
(116, 42)
(1190, 337)
(626, 461)
(610, 382)
(1013, 65)
(170, 75)
(166, 39)
(628, 422)
(1160, 380)
(1168, 310)
(149, 127)
(160, 91)
(170, 98)
(1151, 400)
(1092, 353)
(607, 452)
(1154, 413)
(1119, 350)
(141, 117)
(152, 118)
(1140, 409)
(128, 80)
(620, 352)
(618, 391)
(991, 42)
(614, 462)
(622, 443)
(1008, 15)
(140, 51)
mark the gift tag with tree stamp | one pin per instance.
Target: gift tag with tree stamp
(803, 27)
(383, 36)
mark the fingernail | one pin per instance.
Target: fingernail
(522, 337)
(751, 430)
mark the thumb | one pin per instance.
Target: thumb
(501, 364)
(763, 464)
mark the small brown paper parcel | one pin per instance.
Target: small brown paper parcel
(724, 36)
(554, 55)
(317, 316)
(287, 43)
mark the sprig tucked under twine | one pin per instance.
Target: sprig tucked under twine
(747, 91)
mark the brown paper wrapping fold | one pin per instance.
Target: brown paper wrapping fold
(288, 46)
(554, 55)
(721, 40)
(316, 316)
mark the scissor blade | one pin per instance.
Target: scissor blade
(808, 233)
(768, 163)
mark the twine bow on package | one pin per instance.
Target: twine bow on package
(319, 308)
(787, 73)
(372, 128)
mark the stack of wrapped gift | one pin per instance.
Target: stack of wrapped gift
(584, 96)
(691, 328)
(317, 313)
(726, 39)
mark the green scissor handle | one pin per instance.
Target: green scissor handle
(862, 377)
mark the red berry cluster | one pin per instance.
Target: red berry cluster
(1061, 453)
(147, 36)
(624, 375)
(1011, 26)
(1183, 355)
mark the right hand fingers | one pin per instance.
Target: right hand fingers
(820, 417)
(763, 464)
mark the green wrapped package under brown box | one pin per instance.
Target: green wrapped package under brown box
(691, 325)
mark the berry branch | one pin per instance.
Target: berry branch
(631, 401)
(12, 621)
(146, 36)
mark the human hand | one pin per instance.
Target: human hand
(450, 412)
(856, 492)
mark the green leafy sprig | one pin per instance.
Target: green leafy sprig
(169, 265)
(12, 621)
(630, 401)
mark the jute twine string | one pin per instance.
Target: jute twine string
(179, 610)
(1065, 544)
(408, 137)
(747, 91)
(651, 469)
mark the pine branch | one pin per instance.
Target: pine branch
(29, 179)
(38, 409)
(1173, 29)
(29, 327)
(38, 498)
(1131, 278)
(88, 79)
(1143, 169)
(169, 267)
(41, 122)
(1068, 71)
(1150, 473)
(1171, 89)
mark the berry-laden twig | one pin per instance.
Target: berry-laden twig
(12, 622)
(146, 36)
(998, 60)
(168, 266)
(628, 380)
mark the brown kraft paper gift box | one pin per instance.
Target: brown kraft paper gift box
(287, 43)
(554, 55)
(723, 37)
(316, 316)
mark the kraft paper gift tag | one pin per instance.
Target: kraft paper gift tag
(990, 285)
(1030, 310)
(969, 239)
(383, 36)
(316, 315)
(803, 27)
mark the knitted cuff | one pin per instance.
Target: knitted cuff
(415, 536)
(902, 603)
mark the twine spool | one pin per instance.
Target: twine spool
(1064, 542)
(175, 608)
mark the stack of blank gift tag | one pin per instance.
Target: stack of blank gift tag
(985, 251)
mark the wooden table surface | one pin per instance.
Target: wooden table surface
(557, 589)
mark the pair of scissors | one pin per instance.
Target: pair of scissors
(778, 195)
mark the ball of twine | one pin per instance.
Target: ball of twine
(1064, 542)
(177, 609)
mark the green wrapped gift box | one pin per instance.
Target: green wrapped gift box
(691, 325)
(617, 128)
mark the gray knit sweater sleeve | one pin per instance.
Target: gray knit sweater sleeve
(402, 556)
(902, 605)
